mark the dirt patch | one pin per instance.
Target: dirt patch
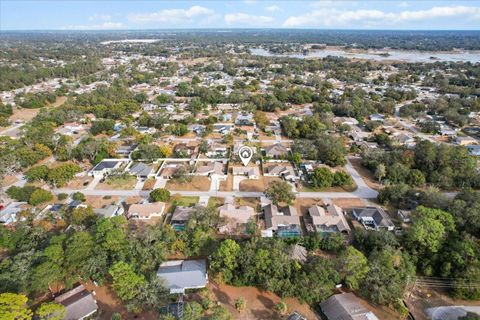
(79, 183)
(347, 203)
(28, 114)
(100, 202)
(366, 174)
(227, 185)
(422, 298)
(198, 183)
(109, 303)
(9, 179)
(260, 305)
(252, 185)
(149, 184)
(251, 202)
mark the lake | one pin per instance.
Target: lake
(393, 55)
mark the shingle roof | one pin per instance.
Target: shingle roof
(275, 218)
(182, 213)
(332, 217)
(141, 169)
(183, 274)
(78, 303)
(346, 306)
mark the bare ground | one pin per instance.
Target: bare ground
(198, 183)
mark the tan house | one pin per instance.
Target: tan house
(146, 210)
(283, 222)
(275, 151)
(250, 172)
(329, 219)
(235, 217)
(282, 170)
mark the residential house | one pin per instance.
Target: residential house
(276, 151)
(146, 210)
(283, 223)
(373, 218)
(180, 217)
(329, 219)
(244, 119)
(222, 128)
(211, 169)
(236, 217)
(184, 150)
(465, 141)
(404, 215)
(474, 150)
(181, 275)
(250, 172)
(405, 140)
(377, 117)
(79, 303)
(109, 211)
(8, 215)
(282, 170)
(346, 306)
(105, 167)
(216, 150)
(141, 170)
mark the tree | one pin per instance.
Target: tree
(322, 178)
(63, 173)
(160, 194)
(219, 312)
(125, 281)
(353, 266)
(192, 311)
(224, 260)
(281, 307)
(83, 216)
(37, 173)
(50, 311)
(380, 172)
(429, 229)
(342, 178)
(390, 272)
(13, 307)
(40, 196)
(280, 191)
(240, 304)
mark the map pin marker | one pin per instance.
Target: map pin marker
(245, 153)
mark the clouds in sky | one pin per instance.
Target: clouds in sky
(243, 19)
(354, 14)
(334, 17)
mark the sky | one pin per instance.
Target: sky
(138, 14)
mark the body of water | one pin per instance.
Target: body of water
(397, 55)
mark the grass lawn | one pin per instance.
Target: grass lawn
(123, 182)
(185, 201)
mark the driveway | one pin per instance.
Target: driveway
(236, 182)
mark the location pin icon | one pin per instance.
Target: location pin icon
(245, 153)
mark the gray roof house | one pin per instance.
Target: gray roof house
(181, 275)
(9, 214)
(78, 302)
(373, 218)
(275, 150)
(141, 170)
(109, 211)
(346, 306)
(283, 170)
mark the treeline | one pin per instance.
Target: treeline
(443, 165)
(27, 74)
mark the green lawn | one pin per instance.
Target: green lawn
(186, 201)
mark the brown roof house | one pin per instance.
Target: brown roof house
(146, 210)
(346, 306)
(329, 219)
(235, 217)
(283, 222)
(79, 303)
(180, 217)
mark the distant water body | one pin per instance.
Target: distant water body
(383, 55)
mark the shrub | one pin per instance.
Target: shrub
(40, 196)
(78, 196)
(160, 194)
(62, 196)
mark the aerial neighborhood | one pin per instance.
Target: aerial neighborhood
(239, 175)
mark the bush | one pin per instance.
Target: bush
(341, 178)
(160, 194)
(21, 194)
(62, 196)
(78, 196)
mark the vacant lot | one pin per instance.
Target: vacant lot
(149, 184)
(79, 183)
(28, 114)
(365, 174)
(198, 183)
(252, 185)
(260, 305)
(118, 183)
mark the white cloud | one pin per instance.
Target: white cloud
(273, 8)
(249, 2)
(173, 16)
(103, 26)
(101, 17)
(244, 19)
(344, 18)
(403, 4)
